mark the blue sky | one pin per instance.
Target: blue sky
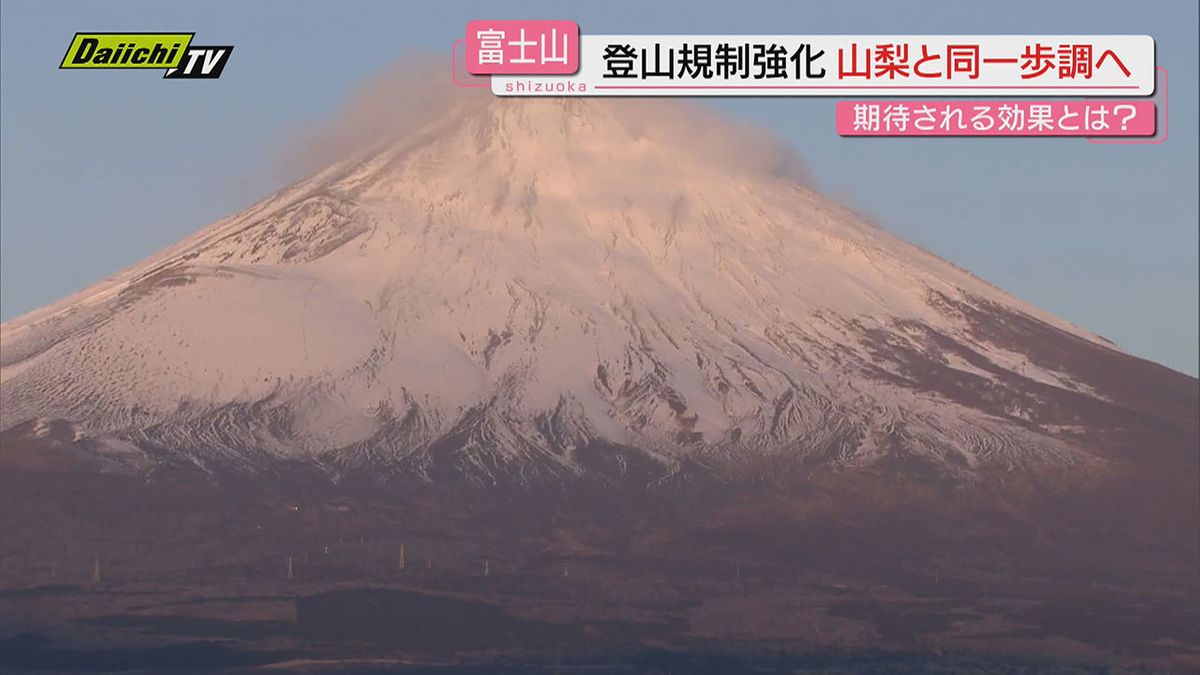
(99, 169)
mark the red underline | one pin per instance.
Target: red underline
(885, 86)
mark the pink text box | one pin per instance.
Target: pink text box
(522, 47)
(1099, 117)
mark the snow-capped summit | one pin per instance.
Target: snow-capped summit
(518, 290)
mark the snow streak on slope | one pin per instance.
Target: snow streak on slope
(531, 289)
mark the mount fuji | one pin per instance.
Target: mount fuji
(613, 377)
(520, 291)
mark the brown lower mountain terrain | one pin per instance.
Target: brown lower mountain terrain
(879, 571)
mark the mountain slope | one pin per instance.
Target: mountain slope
(520, 291)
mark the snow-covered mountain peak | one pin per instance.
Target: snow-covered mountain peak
(513, 288)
